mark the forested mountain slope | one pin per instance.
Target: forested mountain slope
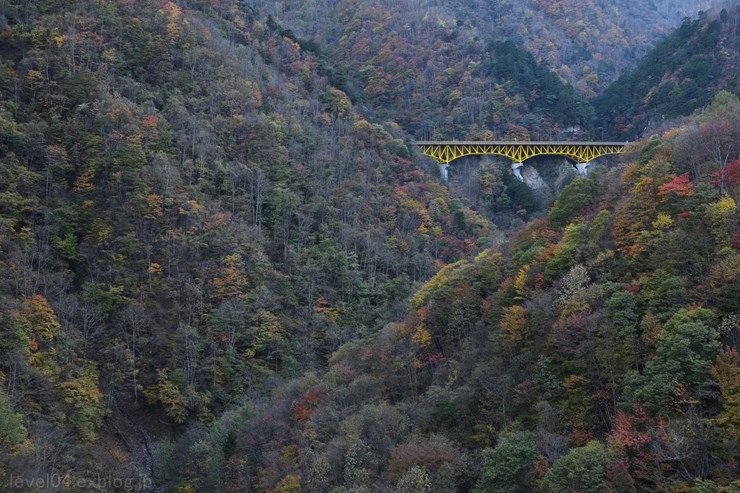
(441, 82)
(427, 64)
(681, 74)
(189, 213)
(596, 351)
(212, 226)
(589, 43)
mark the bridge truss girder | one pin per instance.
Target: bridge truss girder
(446, 152)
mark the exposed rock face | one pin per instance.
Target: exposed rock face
(554, 172)
(545, 175)
(532, 178)
(564, 175)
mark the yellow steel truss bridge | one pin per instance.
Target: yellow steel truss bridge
(580, 152)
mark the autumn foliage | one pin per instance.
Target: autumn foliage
(226, 266)
(681, 186)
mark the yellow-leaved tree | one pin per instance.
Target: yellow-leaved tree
(514, 323)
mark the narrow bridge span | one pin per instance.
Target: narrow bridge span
(582, 153)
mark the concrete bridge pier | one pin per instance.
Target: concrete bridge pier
(517, 172)
(583, 168)
(443, 171)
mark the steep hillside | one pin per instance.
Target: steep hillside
(190, 213)
(682, 74)
(444, 82)
(596, 351)
(588, 43)
(437, 68)
(212, 221)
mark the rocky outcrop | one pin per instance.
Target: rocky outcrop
(532, 178)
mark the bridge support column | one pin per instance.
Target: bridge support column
(443, 171)
(583, 168)
(517, 172)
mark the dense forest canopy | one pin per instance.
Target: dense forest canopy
(595, 352)
(681, 74)
(589, 43)
(227, 268)
(504, 69)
